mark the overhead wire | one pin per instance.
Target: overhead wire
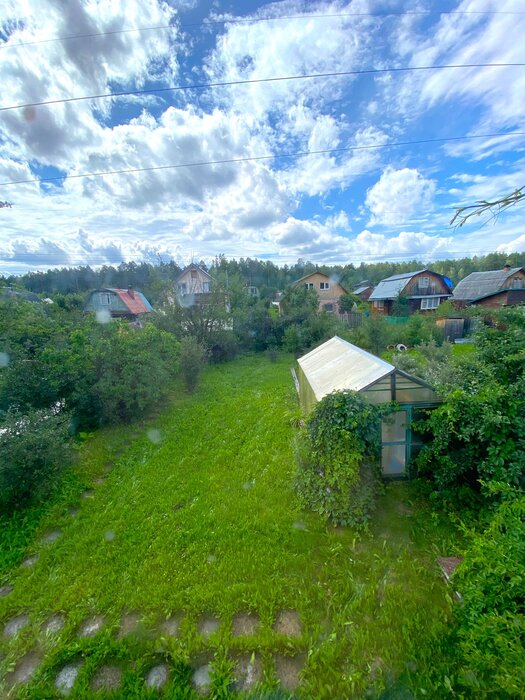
(252, 81)
(274, 156)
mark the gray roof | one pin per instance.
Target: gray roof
(481, 284)
(391, 287)
(360, 290)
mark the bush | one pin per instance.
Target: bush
(192, 360)
(35, 449)
(338, 456)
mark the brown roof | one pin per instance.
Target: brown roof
(134, 301)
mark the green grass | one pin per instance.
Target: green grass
(206, 522)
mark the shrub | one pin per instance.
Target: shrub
(192, 360)
(338, 456)
(35, 449)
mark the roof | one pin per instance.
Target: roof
(337, 365)
(391, 287)
(317, 272)
(136, 304)
(482, 284)
(193, 266)
(360, 290)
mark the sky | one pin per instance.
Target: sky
(383, 160)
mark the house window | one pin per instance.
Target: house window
(430, 303)
(194, 274)
(379, 305)
(205, 287)
(324, 285)
(424, 282)
(182, 288)
(104, 298)
(309, 285)
(329, 308)
(517, 283)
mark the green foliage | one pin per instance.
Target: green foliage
(349, 303)
(35, 450)
(490, 637)
(374, 334)
(192, 361)
(338, 457)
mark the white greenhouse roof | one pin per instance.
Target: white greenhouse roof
(337, 365)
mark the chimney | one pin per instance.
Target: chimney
(506, 267)
(131, 292)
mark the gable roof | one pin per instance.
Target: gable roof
(337, 365)
(317, 272)
(391, 287)
(136, 304)
(193, 266)
(482, 284)
(360, 290)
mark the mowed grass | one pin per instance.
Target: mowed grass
(193, 516)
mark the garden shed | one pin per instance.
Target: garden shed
(338, 365)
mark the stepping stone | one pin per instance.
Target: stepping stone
(289, 623)
(129, 625)
(201, 679)
(287, 669)
(24, 670)
(170, 627)
(88, 493)
(157, 677)
(52, 536)
(53, 624)
(211, 558)
(248, 672)
(65, 680)
(245, 624)
(299, 525)
(91, 626)
(108, 467)
(154, 436)
(30, 561)
(15, 625)
(101, 480)
(208, 625)
(5, 590)
(73, 511)
(109, 536)
(107, 678)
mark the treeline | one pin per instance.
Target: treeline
(265, 275)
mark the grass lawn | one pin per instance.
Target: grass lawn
(182, 546)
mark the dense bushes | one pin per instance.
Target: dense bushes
(192, 359)
(34, 449)
(338, 456)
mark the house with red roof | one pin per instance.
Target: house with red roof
(118, 303)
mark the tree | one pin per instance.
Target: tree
(4, 205)
(495, 207)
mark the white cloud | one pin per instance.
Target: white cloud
(398, 194)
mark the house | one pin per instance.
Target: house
(338, 365)
(363, 290)
(492, 289)
(193, 281)
(120, 303)
(423, 290)
(328, 290)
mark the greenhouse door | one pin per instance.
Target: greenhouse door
(394, 444)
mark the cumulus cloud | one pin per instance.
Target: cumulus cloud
(398, 194)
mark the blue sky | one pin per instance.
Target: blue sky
(372, 201)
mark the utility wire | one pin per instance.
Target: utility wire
(227, 161)
(252, 81)
(254, 20)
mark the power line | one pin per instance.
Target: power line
(203, 86)
(226, 161)
(254, 20)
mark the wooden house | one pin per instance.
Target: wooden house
(492, 289)
(328, 290)
(194, 281)
(363, 290)
(338, 365)
(422, 290)
(118, 303)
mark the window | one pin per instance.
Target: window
(324, 285)
(309, 285)
(329, 308)
(205, 287)
(182, 288)
(430, 303)
(194, 274)
(517, 283)
(379, 305)
(104, 298)
(423, 282)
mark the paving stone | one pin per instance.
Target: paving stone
(5, 590)
(299, 525)
(170, 627)
(129, 625)
(107, 678)
(157, 677)
(208, 625)
(201, 679)
(88, 493)
(90, 627)
(51, 536)
(287, 669)
(24, 670)
(289, 623)
(15, 625)
(65, 680)
(30, 561)
(109, 536)
(248, 672)
(245, 624)
(54, 624)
